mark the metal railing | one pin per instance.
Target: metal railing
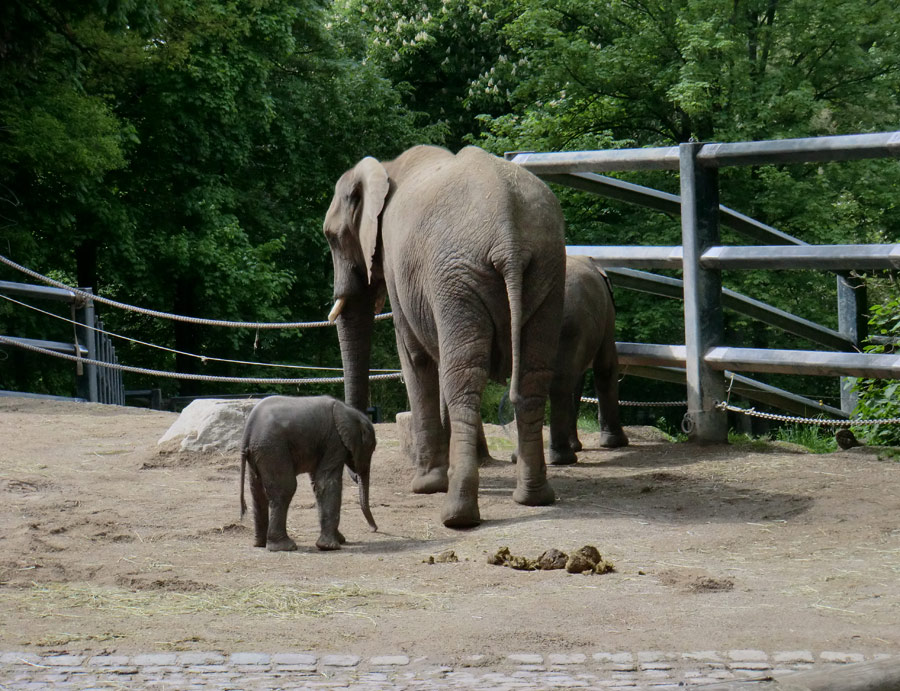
(89, 345)
(701, 257)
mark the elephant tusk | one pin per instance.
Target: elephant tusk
(336, 310)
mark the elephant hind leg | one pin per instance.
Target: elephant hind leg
(280, 495)
(538, 353)
(464, 375)
(431, 443)
(260, 508)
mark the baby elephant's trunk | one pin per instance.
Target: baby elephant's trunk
(364, 500)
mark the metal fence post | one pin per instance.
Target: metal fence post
(703, 323)
(852, 305)
(85, 316)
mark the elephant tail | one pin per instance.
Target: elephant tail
(513, 279)
(244, 453)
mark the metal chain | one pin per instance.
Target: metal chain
(639, 404)
(194, 377)
(166, 315)
(722, 405)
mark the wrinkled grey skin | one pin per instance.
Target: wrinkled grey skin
(285, 436)
(470, 249)
(587, 340)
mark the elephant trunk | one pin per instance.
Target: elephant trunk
(364, 500)
(355, 334)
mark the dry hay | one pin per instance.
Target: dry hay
(160, 599)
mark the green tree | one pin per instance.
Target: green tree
(182, 158)
(592, 75)
(440, 54)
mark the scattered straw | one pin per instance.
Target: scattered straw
(282, 602)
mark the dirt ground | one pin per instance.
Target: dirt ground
(108, 545)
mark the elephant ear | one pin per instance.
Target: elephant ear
(348, 428)
(373, 178)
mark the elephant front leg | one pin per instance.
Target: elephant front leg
(574, 441)
(327, 487)
(563, 421)
(606, 383)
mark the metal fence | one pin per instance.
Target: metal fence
(92, 383)
(701, 257)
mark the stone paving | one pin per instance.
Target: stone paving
(253, 671)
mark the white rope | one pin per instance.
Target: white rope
(175, 317)
(194, 377)
(722, 405)
(203, 358)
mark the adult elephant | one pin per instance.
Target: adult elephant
(587, 340)
(470, 249)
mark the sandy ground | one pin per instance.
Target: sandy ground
(108, 545)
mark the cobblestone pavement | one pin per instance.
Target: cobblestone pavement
(270, 671)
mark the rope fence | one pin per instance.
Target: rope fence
(193, 377)
(167, 315)
(383, 374)
(203, 358)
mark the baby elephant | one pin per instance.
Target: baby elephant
(285, 436)
(587, 340)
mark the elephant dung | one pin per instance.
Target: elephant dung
(585, 560)
(503, 557)
(446, 557)
(552, 559)
(207, 426)
(588, 560)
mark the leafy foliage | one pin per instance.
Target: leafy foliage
(180, 154)
(878, 398)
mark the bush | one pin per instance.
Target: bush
(878, 397)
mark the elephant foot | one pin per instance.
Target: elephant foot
(460, 515)
(259, 542)
(613, 440)
(534, 496)
(564, 456)
(432, 482)
(328, 544)
(283, 545)
(576, 445)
